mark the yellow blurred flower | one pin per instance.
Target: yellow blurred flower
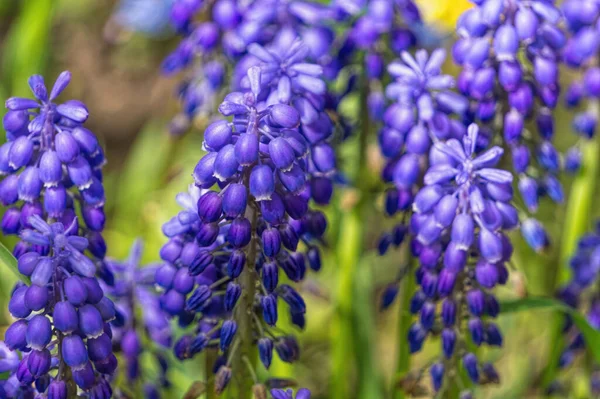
(443, 13)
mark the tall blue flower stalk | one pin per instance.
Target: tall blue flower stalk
(510, 53)
(51, 170)
(245, 220)
(140, 327)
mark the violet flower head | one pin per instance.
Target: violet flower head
(302, 393)
(257, 217)
(510, 54)
(51, 165)
(458, 225)
(64, 304)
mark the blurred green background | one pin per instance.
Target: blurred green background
(350, 348)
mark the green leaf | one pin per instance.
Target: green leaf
(10, 262)
(590, 334)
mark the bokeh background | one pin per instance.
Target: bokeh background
(114, 50)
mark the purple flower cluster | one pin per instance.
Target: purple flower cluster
(253, 226)
(62, 316)
(422, 112)
(579, 52)
(458, 225)
(581, 292)
(232, 27)
(138, 316)
(288, 394)
(51, 166)
(510, 53)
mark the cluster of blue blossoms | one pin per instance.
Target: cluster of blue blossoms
(139, 318)
(51, 167)
(232, 243)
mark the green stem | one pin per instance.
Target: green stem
(244, 315)
(576, 222)
(210, 357)
(407, 288)
(353, 334)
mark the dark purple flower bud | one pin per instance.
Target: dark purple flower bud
(23, 374)
(9, 193)
(20, 152)
(165, 275)
(75, 290)
(95, 292)
(262, 182)
(107, 310)
(14, 121)
(476, 330)
(287, 349)
(84, 377)
(528, 188)
(545, 70)
(55, 201)
(228, 331)
(446, 281)
(66, 147)
(226, 164)
(273, 210)
(232, 294)
(270, 276)
(482, 84)
(448, 342)
(210, 207)
(28, 262)
(548, 157)
(94, 217)
(416, 337)
(265, 351)
(271, 240)
(417, 301)
(217, 135)
(16, 305)
(207, 234)
(293, 180)
(130, 344)
(36, 297)
(510, 75)
(106, 366)
(99, 348)
(39, 332)
(506, 42)
(323, 158)
(11, 221)
(86, 140)
(246, 149)
(513, 126)
(239, 233)
(470, 364)
(475, 302)
(74, 352)
(269, 309)
(486, 274)
(521, 99)
(284, 116)
(429, 284)
(199, 298)
(427, 315)
(493, 336)
(57, 390)
(437, 376)
(234, 200)
(183, 282)
(406, 171)
(573, 160)
(204, 170)
(14, 337)
(30, 185)
(490, 246)
(202, 260)
(585, 124)
(463, 231)
(91, 322)
(199, 343)
(535, 234)
(448, 312)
